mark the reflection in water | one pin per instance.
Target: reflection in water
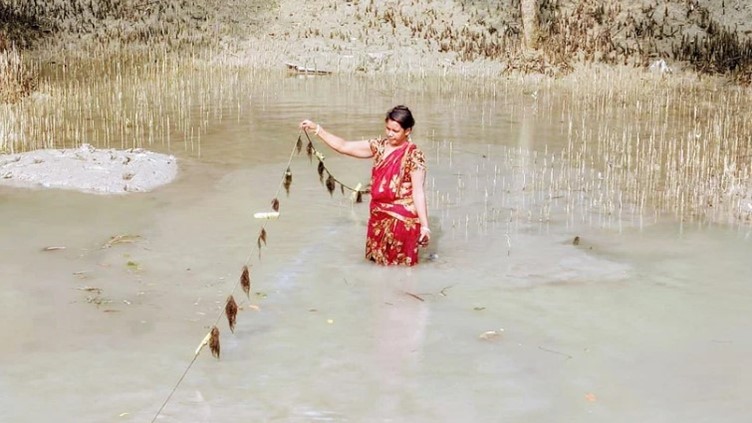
(400, 322)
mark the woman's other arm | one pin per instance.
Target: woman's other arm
(418, 177)
(359, 149)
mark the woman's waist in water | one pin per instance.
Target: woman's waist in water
(401, 208)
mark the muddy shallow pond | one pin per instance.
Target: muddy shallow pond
(641, 319)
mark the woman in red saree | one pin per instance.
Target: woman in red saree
(398, 222)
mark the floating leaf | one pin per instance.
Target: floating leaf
(309, 150)
(330, 184)
(214, 342)
(231, 310)
(245, 281)
(288, 180)
(321, 171)
(299, 144)
(275, 205)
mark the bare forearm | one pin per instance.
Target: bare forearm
(360, 149)
(419, 199)
(336, 143)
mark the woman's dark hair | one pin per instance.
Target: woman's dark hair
(402, 115)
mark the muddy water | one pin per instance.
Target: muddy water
(642, 320)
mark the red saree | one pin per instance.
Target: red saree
(393, 226)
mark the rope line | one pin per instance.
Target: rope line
(320, 157)
(296, 149)
(174, 388)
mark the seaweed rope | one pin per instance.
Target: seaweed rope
(331, 181)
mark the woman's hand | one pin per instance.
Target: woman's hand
(309, 125)
(425, 236)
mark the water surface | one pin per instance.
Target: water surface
(643, 320)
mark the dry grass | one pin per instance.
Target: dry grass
(176, 23)
(124, 99)
(17, 77)
(663, 144)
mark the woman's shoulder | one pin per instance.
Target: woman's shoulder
(377, 144)
(416, 158)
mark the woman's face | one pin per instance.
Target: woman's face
(395, 133)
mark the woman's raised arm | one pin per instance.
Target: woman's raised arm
(359, 149)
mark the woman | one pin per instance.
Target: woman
(398, 221)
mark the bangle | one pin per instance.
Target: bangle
(318, 128)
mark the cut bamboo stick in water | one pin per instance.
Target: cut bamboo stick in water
(266, 215)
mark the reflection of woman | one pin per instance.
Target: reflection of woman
(398, 222)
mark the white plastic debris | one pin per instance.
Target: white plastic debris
(660, 66)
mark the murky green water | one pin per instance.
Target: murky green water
(644, 320)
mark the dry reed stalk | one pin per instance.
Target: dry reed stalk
(17, 77)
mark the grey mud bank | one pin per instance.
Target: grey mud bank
(90, 170)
